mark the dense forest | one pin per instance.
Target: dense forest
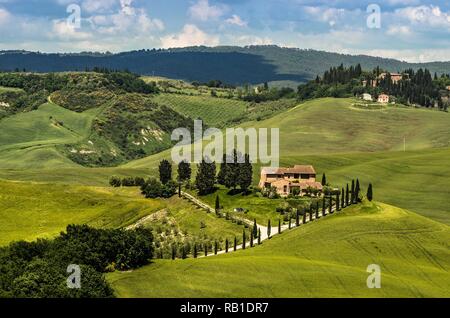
(40, 268)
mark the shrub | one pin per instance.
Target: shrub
(115, 181)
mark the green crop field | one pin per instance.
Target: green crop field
(213, 111)
(327, 258)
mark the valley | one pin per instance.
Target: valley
(56, 162)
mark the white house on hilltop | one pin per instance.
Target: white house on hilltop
(367, 97)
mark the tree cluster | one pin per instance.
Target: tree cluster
(39, 268)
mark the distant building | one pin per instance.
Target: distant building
(285, 180)
(448, 88)
(367, 97)
(395, 77)
(383, 98)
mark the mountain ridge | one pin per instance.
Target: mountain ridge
(231, 64)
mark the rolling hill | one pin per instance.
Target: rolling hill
(233, 65)
(327, 258)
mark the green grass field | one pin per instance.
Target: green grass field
(31, 210)
(38, 210)
(327, 258)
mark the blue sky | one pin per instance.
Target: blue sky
(411, 30)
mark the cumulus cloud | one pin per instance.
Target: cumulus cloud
(66, 31)
(191, 35)
(424, 15)
(203, 11)
(236, 20)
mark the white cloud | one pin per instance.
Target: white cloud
(424, 15)
(399, 30)
(236, 20)
(331, 16)
(65, 31)
(98, 6)
(203, 11)
(251, 40)
(411, 55)
(5, 16)
(191, 35)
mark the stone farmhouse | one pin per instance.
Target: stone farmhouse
(383, 98)
(286, 180)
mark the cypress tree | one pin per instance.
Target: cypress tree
(338, 202)
(342, 198)
(184, 171)
(370, 192)
(243, 239)
(352, 194)
(165, 171)
(297, 218)
(245, 174)
(347, 195)
(206, 248)
(290, 223)
(255, 229)
(206, 177)
(279, 226)
(183, 253)
(222, 172)
(251, 238)
(357, 190)
(330, 208)
(304, 216)
(195, 250)
(317, 210)
(269, 229)
(235, 243)
(311, 215)
(259, 236)
(324, 207)
(324, 180)
(226, 245)
(216, 247)
(174, 252)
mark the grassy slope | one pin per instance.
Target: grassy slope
(333, 126)
(321, 259)
(28, 140)
(31, 210)
(417, 180)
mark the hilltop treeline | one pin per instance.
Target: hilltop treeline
(413, 88)
(39, 269)
(52, 82)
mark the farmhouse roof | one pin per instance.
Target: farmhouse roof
(306, 169)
